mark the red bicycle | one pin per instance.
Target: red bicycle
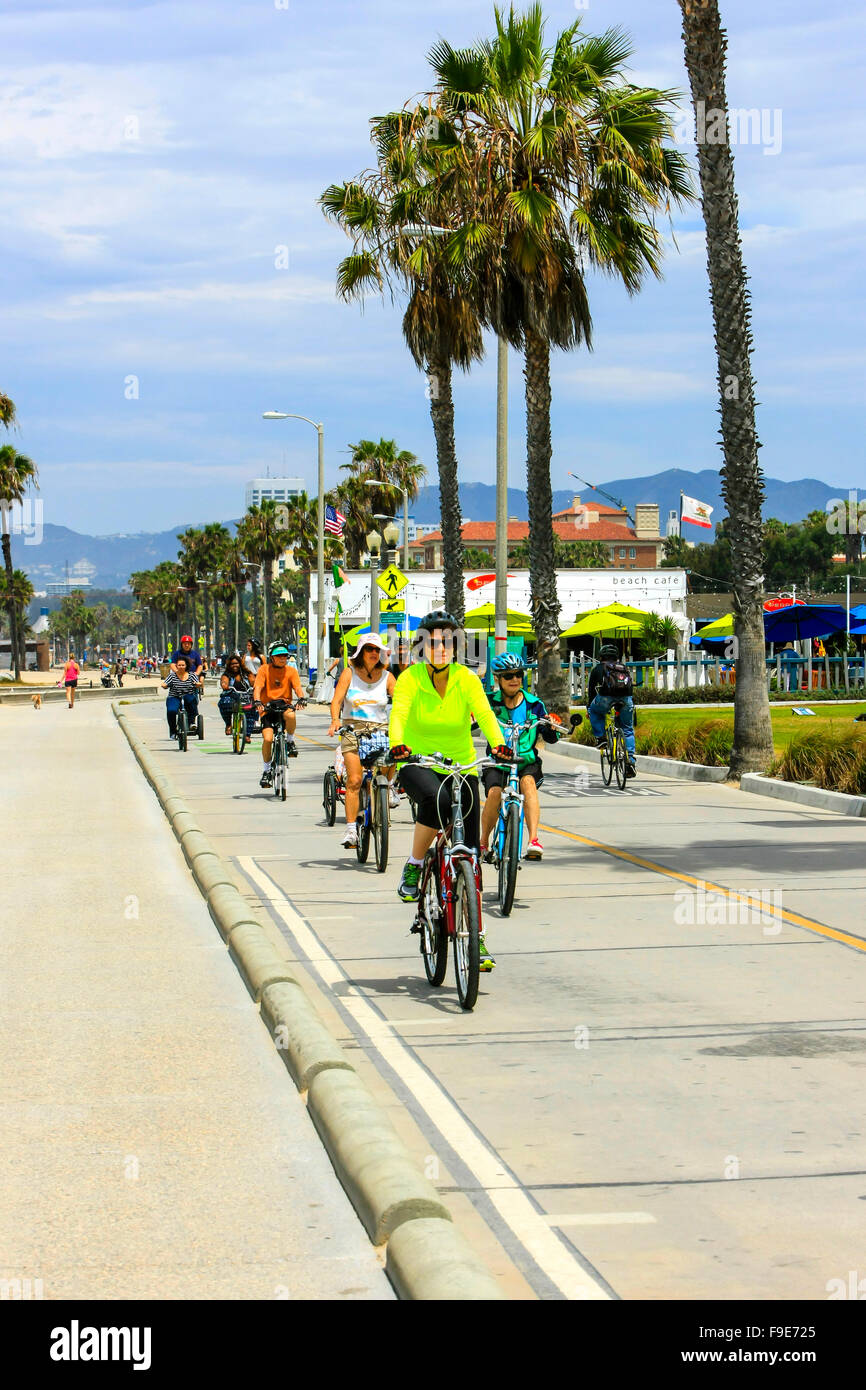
(449, 901)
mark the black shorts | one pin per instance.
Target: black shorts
(71, 685)
(431, 793)
(273, 719)
(498, 776)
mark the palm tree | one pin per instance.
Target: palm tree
(383, 463)
(236, 573)
(742, 479)
(7, 411)
(563, 166)
(380, 211)
(17, 473)
(21, 594)
(266, 536)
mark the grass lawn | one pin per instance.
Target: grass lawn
(786, 724)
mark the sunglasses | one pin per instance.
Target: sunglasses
(512, 676)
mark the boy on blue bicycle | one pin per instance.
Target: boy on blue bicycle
(512, 704)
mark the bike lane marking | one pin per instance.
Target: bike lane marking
(574, 1279)
(770, 910)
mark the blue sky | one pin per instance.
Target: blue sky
(155, 155)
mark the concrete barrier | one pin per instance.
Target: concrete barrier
(662, 767)
(801, 795)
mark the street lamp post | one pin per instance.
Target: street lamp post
(374, 541)
(320, 536)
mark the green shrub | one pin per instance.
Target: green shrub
(708, 742)
(829, 758)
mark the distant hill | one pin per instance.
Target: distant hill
(109, 560)
(785, 501)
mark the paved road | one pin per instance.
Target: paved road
(656, 1096)
(153, 1146)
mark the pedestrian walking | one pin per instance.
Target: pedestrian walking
(71, 672)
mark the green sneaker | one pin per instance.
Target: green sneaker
(487, 962)
(408, 890)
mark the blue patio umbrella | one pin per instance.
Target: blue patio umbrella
(802, 620)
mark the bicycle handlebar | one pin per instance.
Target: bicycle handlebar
(439, 760)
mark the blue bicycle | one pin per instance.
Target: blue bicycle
(507, 841)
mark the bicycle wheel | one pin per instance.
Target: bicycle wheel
(279, 767)
(181, 731)
(381, 827)
(434, 936)
(329, 799)
(362, 844)
(509, 859)
(199, 726)
(607, 760)
(620, 760)
(237, 736)
(467, 953)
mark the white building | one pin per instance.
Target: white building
(280, 489)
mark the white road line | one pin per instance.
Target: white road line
(602, 1218)
(528, 1225)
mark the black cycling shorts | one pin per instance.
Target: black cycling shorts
(498, 776)
(431, 792)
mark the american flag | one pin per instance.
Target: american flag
(334, 521)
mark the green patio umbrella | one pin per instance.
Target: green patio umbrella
(483, 619)
(603, 623)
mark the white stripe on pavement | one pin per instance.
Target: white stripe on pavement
(602, 1218)
(528, 1225)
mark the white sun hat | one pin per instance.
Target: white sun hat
(371, 639)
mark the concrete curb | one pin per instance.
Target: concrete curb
(373, 1164)
(423, 1261)
(663, 767)
(50, 693)
(840, 802)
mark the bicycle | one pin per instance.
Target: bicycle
(449, 900)
(279, 752)
(240, 734)
(614, 757)
(374, 811)
(183, 729)
(333, 792)
(507, 840)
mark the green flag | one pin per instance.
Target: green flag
(339, 577)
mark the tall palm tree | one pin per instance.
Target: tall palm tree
(380, 211)
(742, 479)
(17, 474)
(236, 573)
(21, 594)
(300, 538)
(563, 165)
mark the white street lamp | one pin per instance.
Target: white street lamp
(320, 536)
(375, 482)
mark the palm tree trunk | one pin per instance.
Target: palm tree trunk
(237, 617)
(542, 549)
(10, 602)
(742, 479)
(442, 414)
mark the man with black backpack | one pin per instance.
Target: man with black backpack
(609, 687)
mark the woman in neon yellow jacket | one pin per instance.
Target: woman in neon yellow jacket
(432, 709)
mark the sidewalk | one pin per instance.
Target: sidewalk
(154, 1146)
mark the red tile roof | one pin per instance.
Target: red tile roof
(485, 532)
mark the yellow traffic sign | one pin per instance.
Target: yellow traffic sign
(392, 605)
(302, 634)
(392, 581)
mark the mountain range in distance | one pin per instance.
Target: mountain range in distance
(108, 561)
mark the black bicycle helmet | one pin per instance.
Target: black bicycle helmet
(439, 618)
(608, 652)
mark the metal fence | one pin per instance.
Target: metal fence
(690, 671)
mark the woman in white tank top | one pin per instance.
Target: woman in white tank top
(361, 699)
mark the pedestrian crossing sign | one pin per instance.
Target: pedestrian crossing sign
(392, 581)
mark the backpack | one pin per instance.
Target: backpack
(615, 680)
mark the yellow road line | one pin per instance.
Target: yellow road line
(780, 913)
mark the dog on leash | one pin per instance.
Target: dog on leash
(37, 700)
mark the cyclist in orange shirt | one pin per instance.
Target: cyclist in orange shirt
(276, 680)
